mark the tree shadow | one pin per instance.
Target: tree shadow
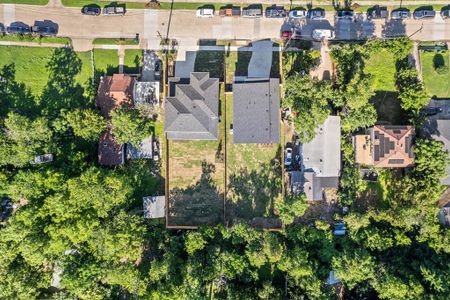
(199, 204)
(15, 96)
(253, 193)
(62, 91)
(393, 28)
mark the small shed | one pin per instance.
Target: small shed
(154, 207)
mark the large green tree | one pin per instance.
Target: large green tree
(128, 126)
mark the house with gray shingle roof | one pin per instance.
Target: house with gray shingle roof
(256, 111)
(192, 108)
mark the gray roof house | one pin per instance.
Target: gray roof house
(143, 151)
(256, 111)
(192, 108)
(438, 127)
(321, 160)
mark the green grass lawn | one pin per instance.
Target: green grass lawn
(86, 68)
(106, 61)
(30, 63)
(33, 2)
(436, 84)
(81, 3)
(381, 65)
(35, 39)
(106, 41)
(132, 61)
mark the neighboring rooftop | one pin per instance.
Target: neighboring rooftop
(192, 110)
(256, 111)
(110, 153)
(438, 127)
(146, 93)
(143, 151)
(389, 146)
(114, 91)
(321, 160)
(154, 207)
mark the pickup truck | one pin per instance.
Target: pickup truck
(113, 10)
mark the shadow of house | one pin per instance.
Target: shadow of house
(197, 205)
(388, 108)
(212, 62)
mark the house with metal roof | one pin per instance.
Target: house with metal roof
(154, 207)
(146, 88)
(256, 111)
(320, 161)
(192, 108)
(388, 146)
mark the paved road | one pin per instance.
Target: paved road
(188, 29)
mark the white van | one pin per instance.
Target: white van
(205, 12)
(322, 34)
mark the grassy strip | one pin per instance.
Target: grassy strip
(81, 3)
(35, 39)
(120, 41)
(31, 2)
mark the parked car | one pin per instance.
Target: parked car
(377, 12)
(345, 14)
(286, 34)
(275, 12)
(316, 14)
(400, 14)
(445, 13)
(44, 30)
(322, 34)
(114, 11)
(2, 29)
(205, 12)
(339, 229)
(234, 11)
(41, 159)
(424, 14)
(298, 14)
(252, 11)
(288, 157)
(91, 10)
(18, 29)
(431, 111)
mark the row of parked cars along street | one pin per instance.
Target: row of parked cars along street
(275, 11)
(95, 10)
(45, 28)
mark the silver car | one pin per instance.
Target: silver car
(400, 14)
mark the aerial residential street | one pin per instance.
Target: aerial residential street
(187, 28)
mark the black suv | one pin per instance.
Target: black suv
(18, 29)
(44, 30)
(91, 10)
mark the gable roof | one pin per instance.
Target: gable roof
(110, 153)
(192, 110)
(256, 111)
(114, 91)
(392, 146)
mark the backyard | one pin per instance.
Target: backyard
(254, 179)
(435, 72)
(196, 181)
(381, 66)
(30, 64)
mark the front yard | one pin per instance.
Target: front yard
(436, 72)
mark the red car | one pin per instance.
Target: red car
(286, 35)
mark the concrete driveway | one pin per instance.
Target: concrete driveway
(261, 61)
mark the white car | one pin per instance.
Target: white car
(205, 12)
(322, 34)
(298, 14)
(288, 157)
